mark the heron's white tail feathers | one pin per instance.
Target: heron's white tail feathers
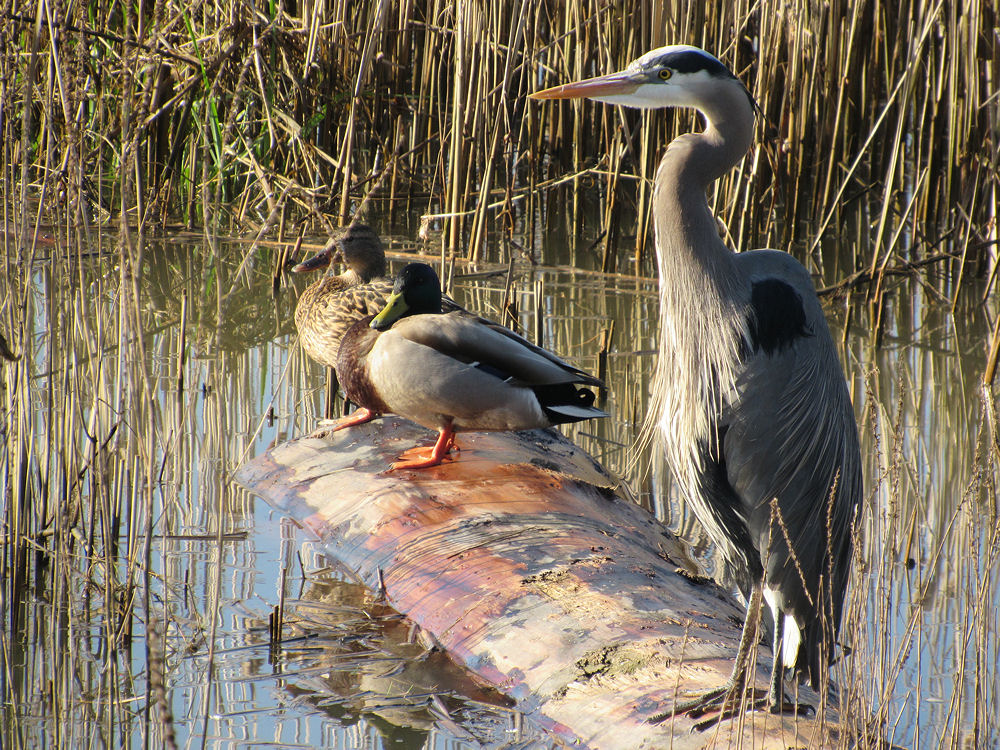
(791, 638)
(790, 642)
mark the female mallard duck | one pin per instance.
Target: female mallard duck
(328, 307)
(453, 371)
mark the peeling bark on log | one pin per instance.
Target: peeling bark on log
(527, 568)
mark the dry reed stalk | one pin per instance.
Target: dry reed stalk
(802, 63)
(190, 116)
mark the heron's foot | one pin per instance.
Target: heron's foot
(760, 702)
(728, 702)
(329, 426)
(723, 703)
(701, 704)
(787, 706)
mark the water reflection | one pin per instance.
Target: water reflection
(926, 599)
(360, 659)
(922, 621)
(922, 625)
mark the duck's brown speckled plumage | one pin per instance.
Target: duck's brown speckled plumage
(328, 307)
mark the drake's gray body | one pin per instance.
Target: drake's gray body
(451, 368)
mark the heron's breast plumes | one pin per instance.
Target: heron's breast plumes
(703, 330)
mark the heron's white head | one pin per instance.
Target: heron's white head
(678, 75)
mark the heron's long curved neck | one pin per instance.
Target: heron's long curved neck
(703, 299)
(687, 234)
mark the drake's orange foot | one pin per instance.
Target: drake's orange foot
(423, 458)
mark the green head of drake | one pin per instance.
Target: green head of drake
(416, 290)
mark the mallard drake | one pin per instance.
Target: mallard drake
(328, 307)
(453, 371)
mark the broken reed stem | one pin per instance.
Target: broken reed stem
(540, 317)
(991, 359)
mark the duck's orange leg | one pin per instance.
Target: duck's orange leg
(417, 458)
(358, 416)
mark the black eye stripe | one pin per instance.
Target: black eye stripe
(689, 61)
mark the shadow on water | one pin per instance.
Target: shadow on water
(223, 378)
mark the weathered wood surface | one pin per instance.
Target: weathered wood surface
(527, 568)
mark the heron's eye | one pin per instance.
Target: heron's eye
(665, 74)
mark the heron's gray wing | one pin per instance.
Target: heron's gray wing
(791, 456)
(792, 438)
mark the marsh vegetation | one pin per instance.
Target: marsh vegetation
(160, 161)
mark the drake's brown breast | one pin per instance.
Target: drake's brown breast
(352, 366)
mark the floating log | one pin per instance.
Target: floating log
(523, 562)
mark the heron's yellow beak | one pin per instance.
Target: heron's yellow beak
(395, 308)
(614, 84)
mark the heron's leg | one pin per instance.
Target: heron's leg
(776, 694)
(777, 701)
(417, 459)
(728, 697)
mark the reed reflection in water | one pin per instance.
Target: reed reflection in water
(148, 403)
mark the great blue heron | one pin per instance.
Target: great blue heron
(753, 410)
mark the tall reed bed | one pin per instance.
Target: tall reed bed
(257, 117)
(922, 618)
(123, 430)
(120, 120)
(116, 452)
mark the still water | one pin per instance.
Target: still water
(923, 616)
